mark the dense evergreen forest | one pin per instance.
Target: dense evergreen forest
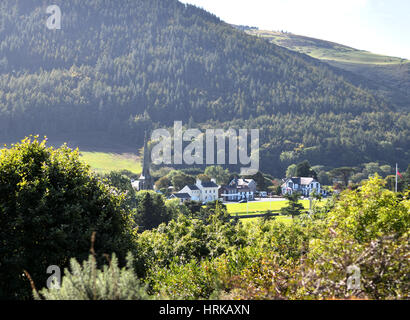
(117, 67)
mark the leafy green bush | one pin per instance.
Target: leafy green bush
(382, 264)
(186, 239)
(367, 229)
(50, 204)
(369, 213)
(187, 281)
(86, 282)
(122, 182)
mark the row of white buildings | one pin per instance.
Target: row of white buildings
(207, 191)
(242, 189)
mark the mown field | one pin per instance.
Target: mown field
(261, 208)
(103, 162)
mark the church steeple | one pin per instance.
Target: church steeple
(145, 181)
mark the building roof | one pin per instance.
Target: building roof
(193, 187)
(228, 188)
(241, 182)
(303, 181)
(181, 195)
(244, 182)
(209, 184)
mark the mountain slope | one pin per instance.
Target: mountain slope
(325, 50)
(390, 75)
(116, 68)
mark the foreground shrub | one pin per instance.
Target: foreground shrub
(360, 249)
(50, 204)
(186, 239)
(86, 282)
(267, 278)
(369, 213)
(190, 281)
(382, 266)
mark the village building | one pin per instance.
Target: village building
(303, 185)
(239, 189)
(181, 196)
(202, 191)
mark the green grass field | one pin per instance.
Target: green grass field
(285, 219)
(259, 207)
(102, 162)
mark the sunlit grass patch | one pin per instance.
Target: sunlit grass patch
(102, 162)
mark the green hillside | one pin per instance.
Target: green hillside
(325, 50)
(117, 70)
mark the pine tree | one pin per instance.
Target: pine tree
(294, 208)
(86, 282)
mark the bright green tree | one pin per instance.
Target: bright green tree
(50, 204)
(343, 173)
(291, 171)
(123, 183)
(218, 173)
(163, 183)
(294, 208)
(179, 181)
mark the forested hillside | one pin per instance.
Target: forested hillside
(117, 67)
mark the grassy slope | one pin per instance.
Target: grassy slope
(325, 50)
(100, 161)
(103, 162)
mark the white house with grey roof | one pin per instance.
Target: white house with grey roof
(203, 191)
(181, 196)
(239, 189)
(302, 185)
(193, 191)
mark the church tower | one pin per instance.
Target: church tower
(145, 181)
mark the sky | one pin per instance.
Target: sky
(378, 26)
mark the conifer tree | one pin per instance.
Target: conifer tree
(294, 208)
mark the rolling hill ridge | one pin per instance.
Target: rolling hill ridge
(389, 76)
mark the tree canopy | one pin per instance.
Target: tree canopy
(50, 204)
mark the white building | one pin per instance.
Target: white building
(304, 186)
(202, 191)
(181, 196)
(245, 183)
(193, 191)
(239, 189)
